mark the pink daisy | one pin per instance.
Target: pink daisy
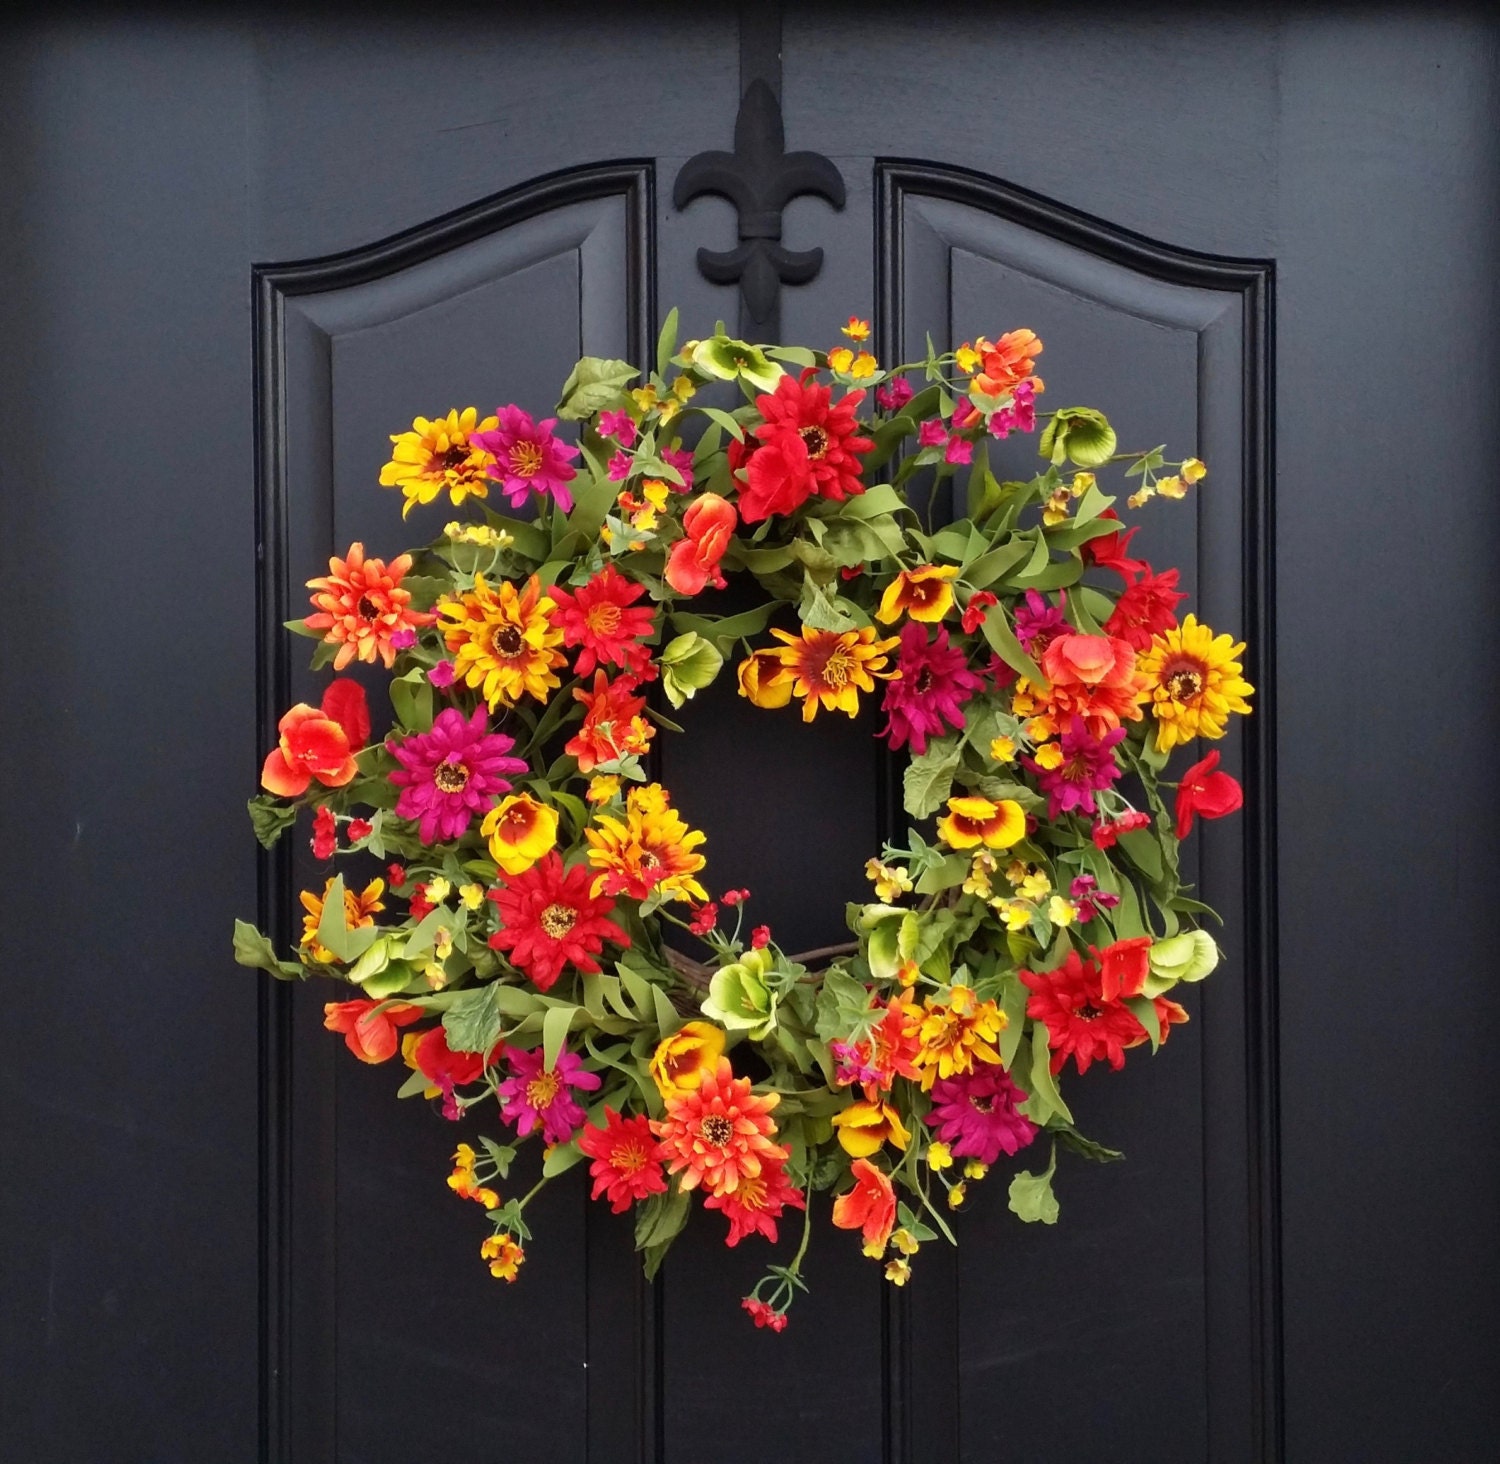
(927, 698)
(451, 773)
(1088, 767)
(535, 1094)
(975, 1115)
(529, 457)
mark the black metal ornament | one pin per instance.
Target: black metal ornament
(760, 178)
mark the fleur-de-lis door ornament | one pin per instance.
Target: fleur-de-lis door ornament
(760, 178)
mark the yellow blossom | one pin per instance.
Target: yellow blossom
(435, 976)
(898, 1271)
(1193, 470)
(1055, 511)
(472, 896)
(1171, 487)
(857, 330)
(1060, 911)
(907, 973)
(1138, 500)
(656, 492)
(863, 1127)
(957, 1195)
(504, 1255)
(1003, 749)
(437, 890)
(975, 1170)
(1038, 729)
(1016, 913)
(958, 1034)
(904, 1241)
(939, 1155)
(682, 1061)
(890, 880)
(1048, 756)
(1082, 482)
(603, 788)
(519, 830)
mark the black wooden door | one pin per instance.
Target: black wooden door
(240, 253)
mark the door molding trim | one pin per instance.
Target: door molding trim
(286, 1431)
(1253, 280)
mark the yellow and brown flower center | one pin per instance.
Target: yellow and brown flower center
(526, 459)
(816, 440)
(507, 642)
(630, 1158)
(455, 457)
(558, 920)
(716, 1130)
(519, 817)
(982, 1103)
(603, 619)
(541, 1091)
(450, 777)
(1183, 683)
(650, 861)
(838, 668)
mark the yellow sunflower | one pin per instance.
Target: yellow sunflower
(1195, 683)
(437, 455)
(504, 640)
(957, 1035)
(651, 849)
(831, 667)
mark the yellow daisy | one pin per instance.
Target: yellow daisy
(1195, 683)
(831, 667)
(504, 640)
(436, 455)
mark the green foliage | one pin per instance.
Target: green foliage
(1031, 1196)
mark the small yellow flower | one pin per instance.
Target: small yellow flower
(975, 1170)
(907, 973)
(604, 788)
(904, 1241)
(442, 943)
(437, 890)
(857, 330)
(1171, 487)
(1016, 913)
(656, 492)
(645, 397)
(967, 358)
(504, 1255)
(472, 896)
(435, 976)
(1035, 886)
(1055, 511)
(1082, 482)
(684, 388)
(939, 1155)
(1138, 500)
(1060, 911)
(1049, 756)
(1038, 729)
(890, 880)
(1193, 470)
(898, 1271)
(957, 1195)
(1003, 750)
(977, 881)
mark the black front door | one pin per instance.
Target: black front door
(240, 254)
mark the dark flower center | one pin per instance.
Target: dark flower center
(923, 683)
(717, 1130)
(507, 641)
(455, 457)
(450, 777)
(1087, 1013)
(558, 920)
(982, 1103)
(367, 608)
(817, 441)
(1184, 685)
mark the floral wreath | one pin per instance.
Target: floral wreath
(513, 950)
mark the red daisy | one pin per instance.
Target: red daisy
(808, 445)
(756, 1205)
(548, 920)
(603, 618)
(626, 1165)
(1145, 609)
(612, 723)
(1080, 1022)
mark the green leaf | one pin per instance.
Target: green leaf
(1031, 1195)
(735, 429)
(660, 1218)
(1070, 1138)
(473, 1023)
(1079, 434)
(593, 494)
(985, 570)
(555, 1025)
(252, 949)
(666, 342)
(346, 945)
(879, 499)
(1144, 1011)
(411, 700)
(688, 663)
(502, 1156)
(928, 779)
(1044, 1085)
(270, 819)
(724, 629)
(1144, 851)
(1002, 640)
(594, 385)
(561, 1158)
(1013, 998)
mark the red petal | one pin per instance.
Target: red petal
(345, 702)
(280, 778)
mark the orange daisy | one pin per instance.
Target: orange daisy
(651, 849)
(958, 1034)
(359, 909)
(361, 605)
(831, 667)
(719, 1133)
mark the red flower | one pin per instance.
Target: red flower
(1080, 1022)
(809, 446)
(1123, 967)
(359, 829)
(973, 616)
(705, 918)
(755, 1207)
(428, 1053)
(319, 742)
(397, 873)
(612, 723)
(548, 920)
(603, 618)
(869, 1207)
(1145, 609)
(626, 1165)
(325, 834)
(760, 937)
(1203, 790)
(694, 560)
(370, 1035)
(1108, 551)
(1106, 832)
(763, 1315)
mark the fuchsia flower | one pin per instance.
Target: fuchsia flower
(960, 450)
(620, 466)
(1038, 624)
(619, 425)
(975, 1114)
(442, 674)
(451, 773)
(932, 434)
(681, 459)
(1088, 899)
(529, 457)
(927, 697)
(535, 1094)
(1020, 415)
(324, 834)
(894, 394)
(1088, 766)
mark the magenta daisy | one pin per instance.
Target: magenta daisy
(1088, 765)
(975, 1115)
(927, 697)
(528, 457)
(1038, 624)
(451, 773)
(535, 1094)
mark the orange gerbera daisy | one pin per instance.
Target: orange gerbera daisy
(652, 849)
(437, 455)
(359, 909)
(361, 605)
(831, 667)
(924, 593)
(719, 1133)
(505, 640)
(958, 1034)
